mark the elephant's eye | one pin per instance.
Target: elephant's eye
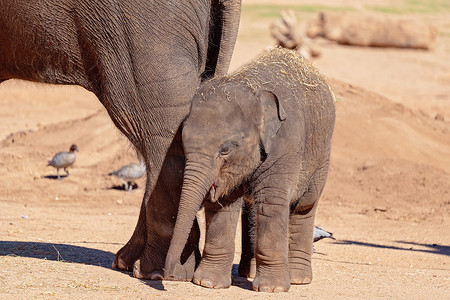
(227, 147)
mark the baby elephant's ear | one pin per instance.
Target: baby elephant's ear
(272, 114)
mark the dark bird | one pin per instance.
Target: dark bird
(320, 233)
(128, 173)
(63, 160)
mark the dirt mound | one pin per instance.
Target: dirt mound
(388, 158)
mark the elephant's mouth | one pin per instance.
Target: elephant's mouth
(220, 188)
(216, 191)
(213, 192)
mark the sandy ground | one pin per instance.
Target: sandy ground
(387, 198)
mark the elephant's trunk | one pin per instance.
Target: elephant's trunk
(196, 184)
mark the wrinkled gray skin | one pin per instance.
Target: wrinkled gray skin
(262, 134)
(144, 61)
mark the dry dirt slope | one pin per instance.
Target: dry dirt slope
(387, 201)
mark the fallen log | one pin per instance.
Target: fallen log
(373, 30)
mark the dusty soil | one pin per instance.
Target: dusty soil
(387, 198)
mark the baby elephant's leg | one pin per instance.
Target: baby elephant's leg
(271, 243)
(301, 230)
(214, 270)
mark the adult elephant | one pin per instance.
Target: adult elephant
(144, 61)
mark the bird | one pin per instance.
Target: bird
(128, 173)
(63, 160)
(320, 233)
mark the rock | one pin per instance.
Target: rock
(287, 34)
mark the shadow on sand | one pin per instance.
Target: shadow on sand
(122, 187)
(57, 252)
(66, 254)
(54, 177)
(409, 246)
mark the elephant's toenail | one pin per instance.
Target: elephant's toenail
(206, 283)
(196, 281)
(120, 265)
(220, 286)
(137, 274)
(278, 289)
(157, 277)
(265, 289)
(306, 280)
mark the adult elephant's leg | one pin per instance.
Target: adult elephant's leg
(247, 264)
(150, 118)
(164, 158)
(151, 238)
(301, 229)
(147, 248)
(129, 254)
(160, 220)
(215, 267)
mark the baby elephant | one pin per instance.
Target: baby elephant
(262, 134)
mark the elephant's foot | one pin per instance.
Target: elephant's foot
(272, 280)
(129, 254)
(213, 274)
(140, 273)
(301, 274)
(149, 265)
(247, 268)
(182, 272)
(144, 259)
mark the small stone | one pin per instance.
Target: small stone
(439, 117)
(25, 217)
(119, 201)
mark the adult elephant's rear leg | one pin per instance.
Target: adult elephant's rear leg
(129, 254)
(147, 248)
(301, 230)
